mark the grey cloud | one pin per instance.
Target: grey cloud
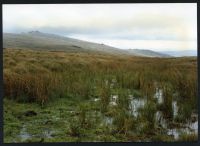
(143, 26)
(99, 33)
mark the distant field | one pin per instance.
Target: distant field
(81, 90)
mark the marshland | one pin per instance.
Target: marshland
(58, 96)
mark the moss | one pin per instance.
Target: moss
(162, 138)
(188, 137)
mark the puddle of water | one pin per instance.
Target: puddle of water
(174, 108)
(113, 103)
(136, 104)
(174, 133)
(194, 126)
(160, 99)
(108, 120)
(191, 128)
(160, 120)
(113, 100)
(24, 135)
(96, 99)
(130, 96)
(113, 83)
(159, 96)
(47, 133)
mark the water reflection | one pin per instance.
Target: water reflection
(113, 100)
(136, 104)
(159, 95)
(191, 128)
(174, 108)
(24, 135)
(160, 120)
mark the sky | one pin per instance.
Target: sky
(159, 27)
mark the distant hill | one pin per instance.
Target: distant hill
(181, 53)
(45, 41)
(147, 53)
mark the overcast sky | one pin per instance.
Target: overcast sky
(157, 27)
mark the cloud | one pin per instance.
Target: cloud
(170, 22)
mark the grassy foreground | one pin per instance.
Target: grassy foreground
(51, 95)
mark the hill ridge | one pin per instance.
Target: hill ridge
(47, 41)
